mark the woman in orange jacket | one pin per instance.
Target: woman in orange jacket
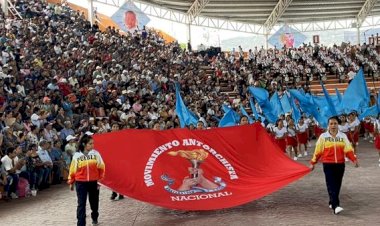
(86, 169)
(331, 149)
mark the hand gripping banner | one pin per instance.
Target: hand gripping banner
(196, 169)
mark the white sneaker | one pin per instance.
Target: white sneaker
(299, 156)
(14, 196)
(305, 153)
(371, 141)
(338, 210)
(295, 158)
(379, 159)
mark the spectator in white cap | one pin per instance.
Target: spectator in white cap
(98, 71)
(71, 147)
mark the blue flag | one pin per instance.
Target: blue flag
(356, 96)
(285, 102)
(253, 108)
(244, 112)
(330, 104)
(229, 119)
(186, 117)
(261, 95)
(307, 105)
(371, 111)
(276, 104)
(338, 95)
(296, 113)
(226, 109)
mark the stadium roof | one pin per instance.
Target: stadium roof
(271, 12)
(261, 16)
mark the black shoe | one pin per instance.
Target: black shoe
(113, 196)
(121, 197)
(95, 222)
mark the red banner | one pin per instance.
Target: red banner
(196, 169)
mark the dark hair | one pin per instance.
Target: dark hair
(31, 146)
(83, 141)
(33, 127)
(334, 118)
(278, 120)
(56, 142)
(10, 150)
(243, 116)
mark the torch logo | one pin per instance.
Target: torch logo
(196, 182)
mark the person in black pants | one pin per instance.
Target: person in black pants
(332, 147)
(87, 167)
(334, 176)
(115, 127)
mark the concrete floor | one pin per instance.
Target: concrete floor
(304, 202)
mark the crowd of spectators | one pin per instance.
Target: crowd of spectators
(60, 77)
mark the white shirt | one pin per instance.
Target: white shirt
(302, 128)
(270, 127)
(352, 126)
(377, 125)
(7, 163)
(36, 120)
(351, 75)
(279, 133)
(343, 128)
(285, 122)
(44, 156)
(291, 132)
(307, 121)
(356, 121)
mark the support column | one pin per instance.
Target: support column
(358, 34)
(90, 10)
(189, 33)
(267, 32)
(358, 31)
(4, 7)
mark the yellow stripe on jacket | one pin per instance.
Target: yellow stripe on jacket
(88, 167)
(333, 150)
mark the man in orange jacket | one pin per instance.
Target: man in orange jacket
(331, 149)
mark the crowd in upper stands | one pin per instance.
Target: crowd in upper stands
(61, 77)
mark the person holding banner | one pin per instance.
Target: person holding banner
(86, 169)
(200, 125)
(302, 135)
(115, 127)
(244, 120)
(291, 140)
(280, 134)
(331, 148)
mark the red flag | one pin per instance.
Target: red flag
(196, 169)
